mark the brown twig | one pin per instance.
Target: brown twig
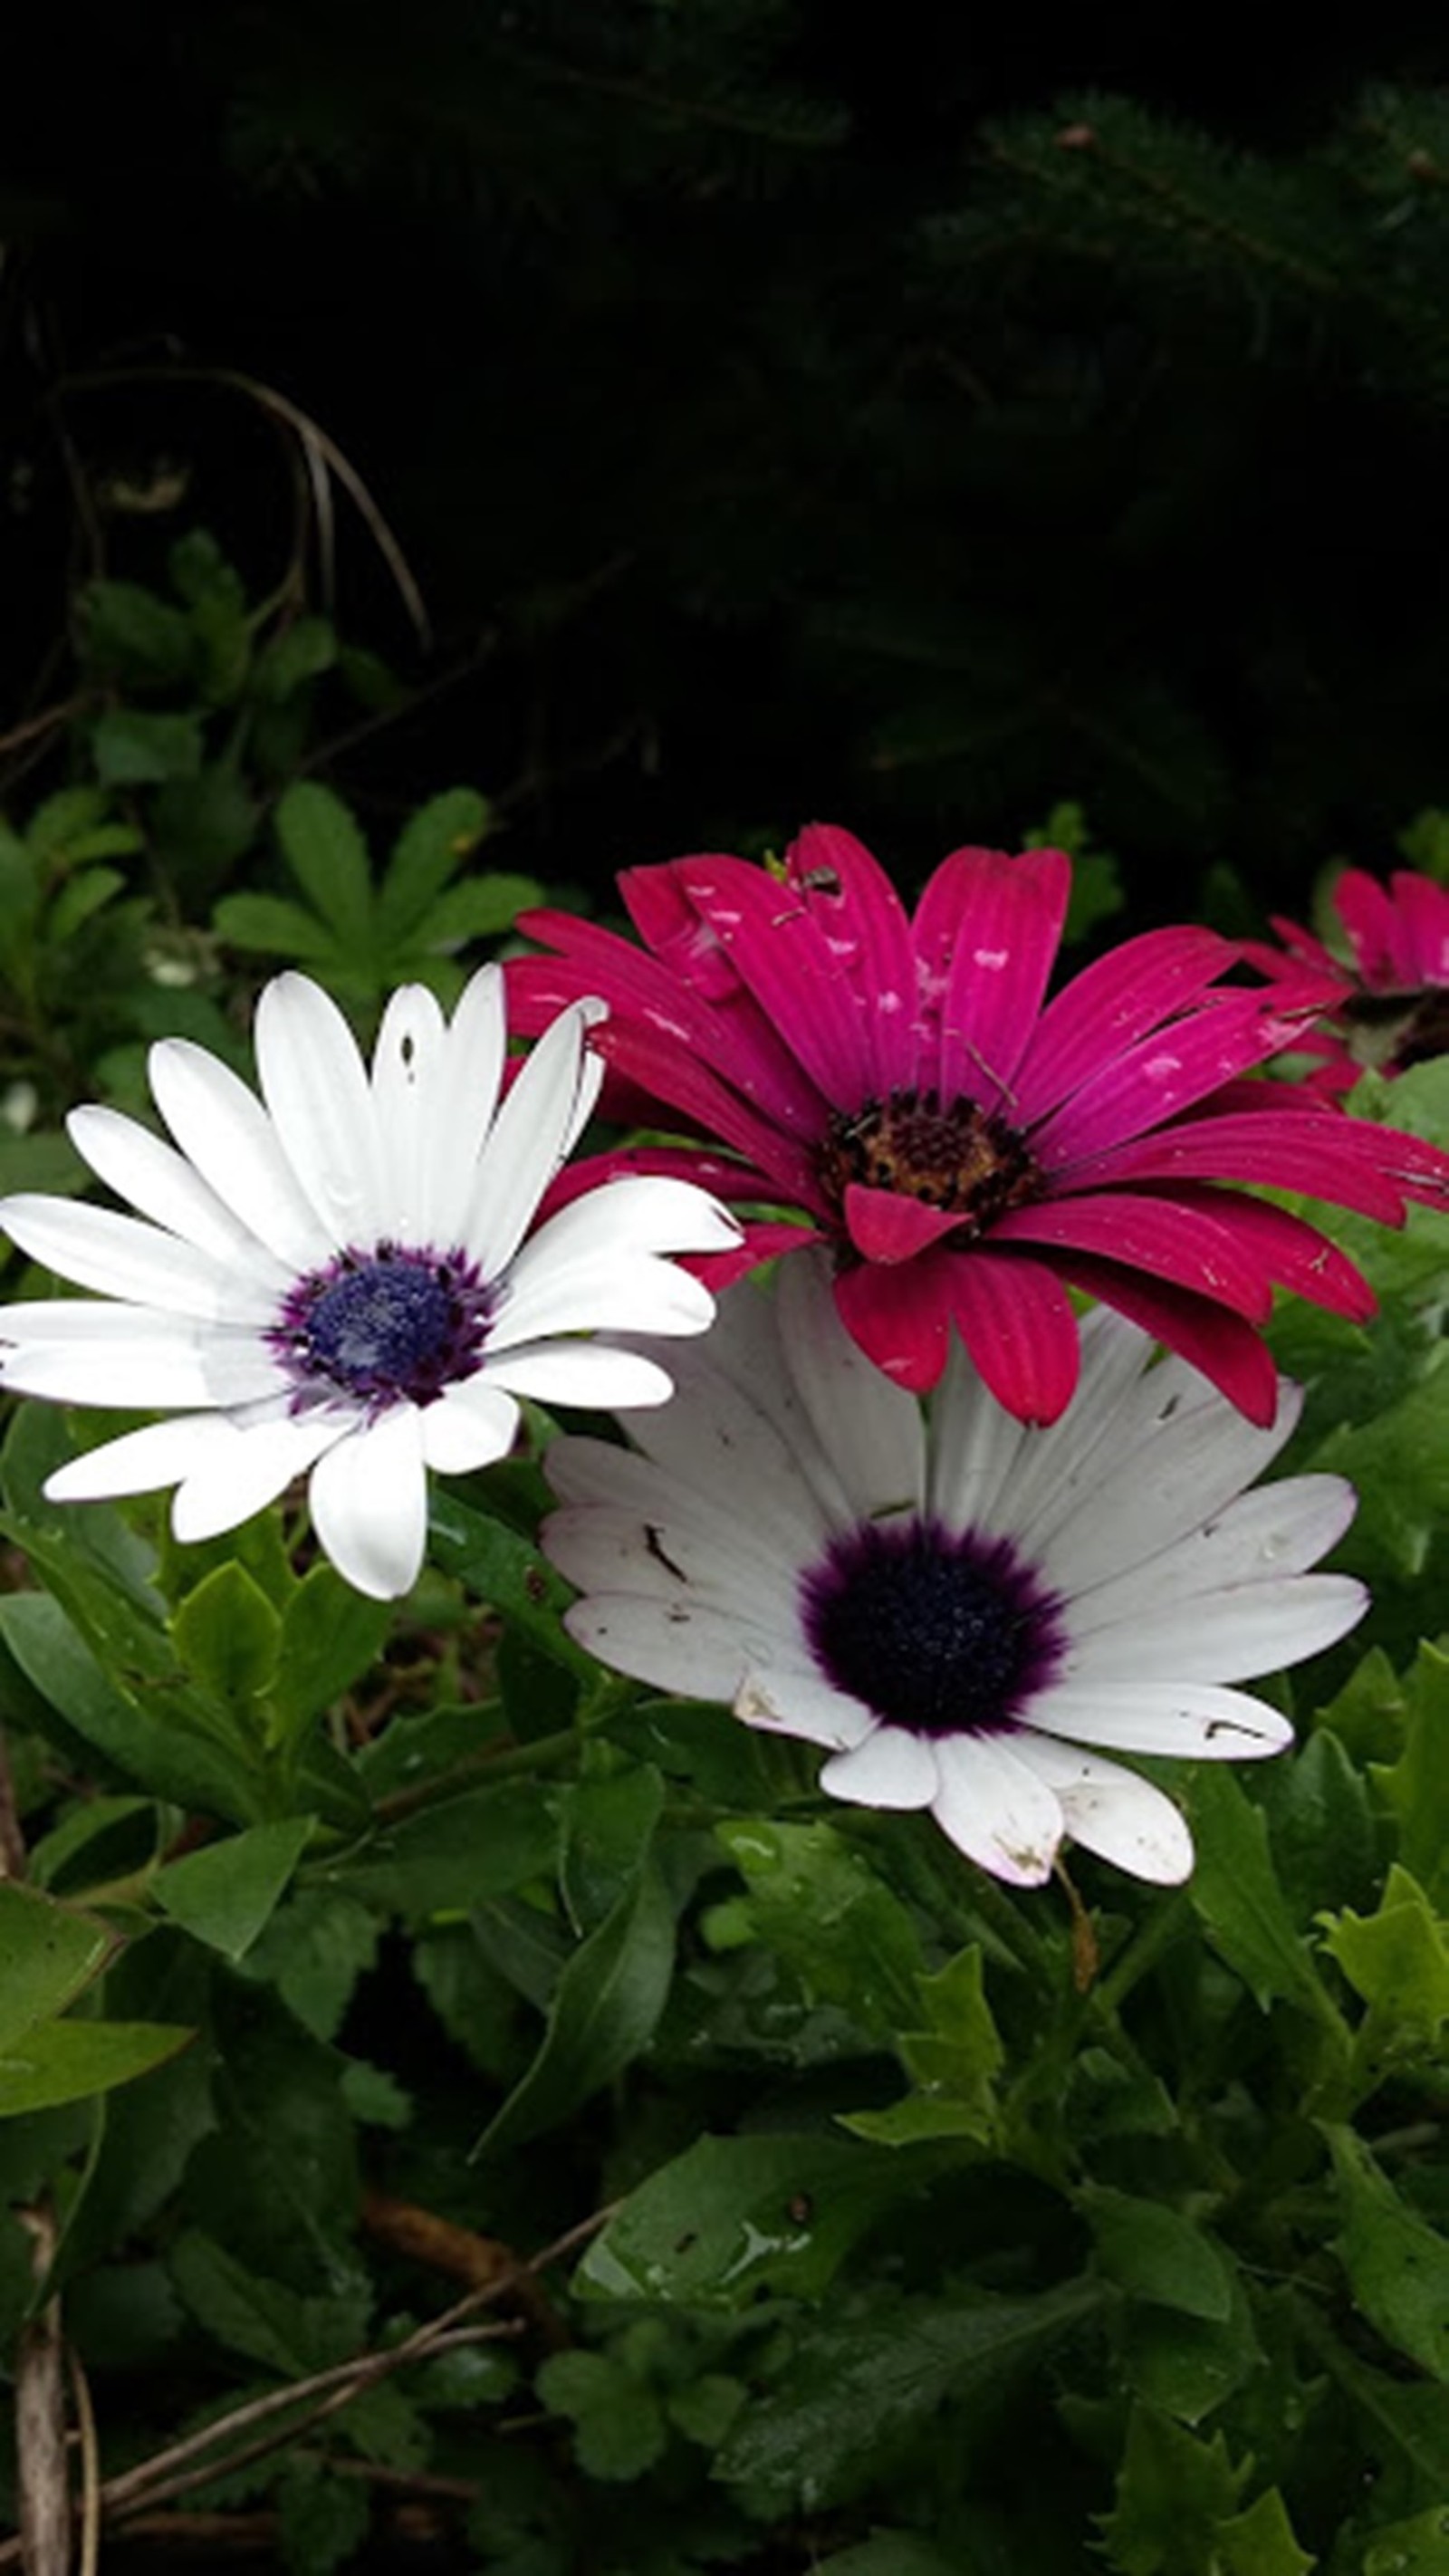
(42, 2476)
(90, 2452)
(461, 2254)
(170, 2472)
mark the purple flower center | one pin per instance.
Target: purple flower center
(937, 1634)
(385, 1325)
(958, 1157)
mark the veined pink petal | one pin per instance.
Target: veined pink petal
(1198, 1247)
(1364, 908)
(1211, 1338)
(1312, 1149)
(1010, 914)
(885, 1225)
(1108, 1006)
(1422, 945)
(1165, 1073)
(658, 904)
(1018, 1326)
(780, 952)
(900, 1318)
(1291, 1252)
(670, 1073)
(864, 925)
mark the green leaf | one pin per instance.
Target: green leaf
(227, 1634)
(147, 1744)
(1154, 2253)
(477, 909)
(734, 2216)
(1188, 2366)
(80, 896)
(132, 749)
(277, 2183)
(482, 1843)
(324, 2520)
(330, 1636)
(1260, 2542)
(1238, 1900)
(604, 2012)
(1418, 2547)
(1322, 1828)
(275, 926)
(203, 825)
(1417, 1785)
(1397, 2265)
(430, 849)
(817, 1903)
(262, 2318)
(1397, 1960)
(134, 637)
(313, 1951)
(509, 1572)
(608, 1826)
(225, 1893)
(64, 2061)
(302, 652)
(619, 2428)
(47, 1955)
(1174, 2493)
(328, 857)
(848, 2392)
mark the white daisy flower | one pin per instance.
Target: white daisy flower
(952, 1604)
(339, 1277)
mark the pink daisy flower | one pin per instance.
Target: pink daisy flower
(1388, 1004)
(971, 1151)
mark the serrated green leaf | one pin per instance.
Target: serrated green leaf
(1397, 2265)
(301, 652)
(479, 908)
(1154, 2253)
(226, 1893)
(851, 2391)
(1417, 2547)
(65, 2061)
(48, 1954)
(323, 2519)
(273, 924)
(264, 2319)
(330, 1636)
(1174, 2493)
(134, 749)
(734, 2216)
(328, 857)
(80, 897)
(889, 2553)
(604, 2012)
(1260, 2542)
(227, 1634)
(1189, 2366)
(1397, 1960)
(313, 1950)
(65, 818)
(816, 1902)
(1417, 1785)
(1322, 1828)
(134, 637)
(1237, 1898)
(619, 2428)
(430, 849)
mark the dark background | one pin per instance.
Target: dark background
(783, 411)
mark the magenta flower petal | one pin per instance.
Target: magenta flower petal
(1364, 908)
(1316, 1151)
(848, 894)
(1220, 1344)
(1017, 1323)
(1166, 1072)
(1192, 1247)
(783, 958)
(1008, 930)
(1421, 950)
(1108, 1005)
(900, 1317)
(886, 1227)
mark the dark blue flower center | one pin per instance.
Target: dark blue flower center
(938, 1634)
(384, 1325)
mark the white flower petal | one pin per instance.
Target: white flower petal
(162, 1185)
(245, 1467)
(143, 1359)
(314, 1085)
(609, 1548)
(123, 1257)
(224, 1131)
(637, 1214)
(470, 1425)
(869, 1428)
(1226, 1636)
(1182, 1475)
(975, 1445)
(530, 1138)
(587, 1373)
(1194, 1721)
(890, 1769)
(593, 1472)
(784, 1699)
(611, 1294)
(411, 1118)
(139, 1462)
(716, 1442)
(1127, 1821)
(676, 1645)
(1273, 1531)
(996, 1809)
(1058, 1460)
(369, 1502)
